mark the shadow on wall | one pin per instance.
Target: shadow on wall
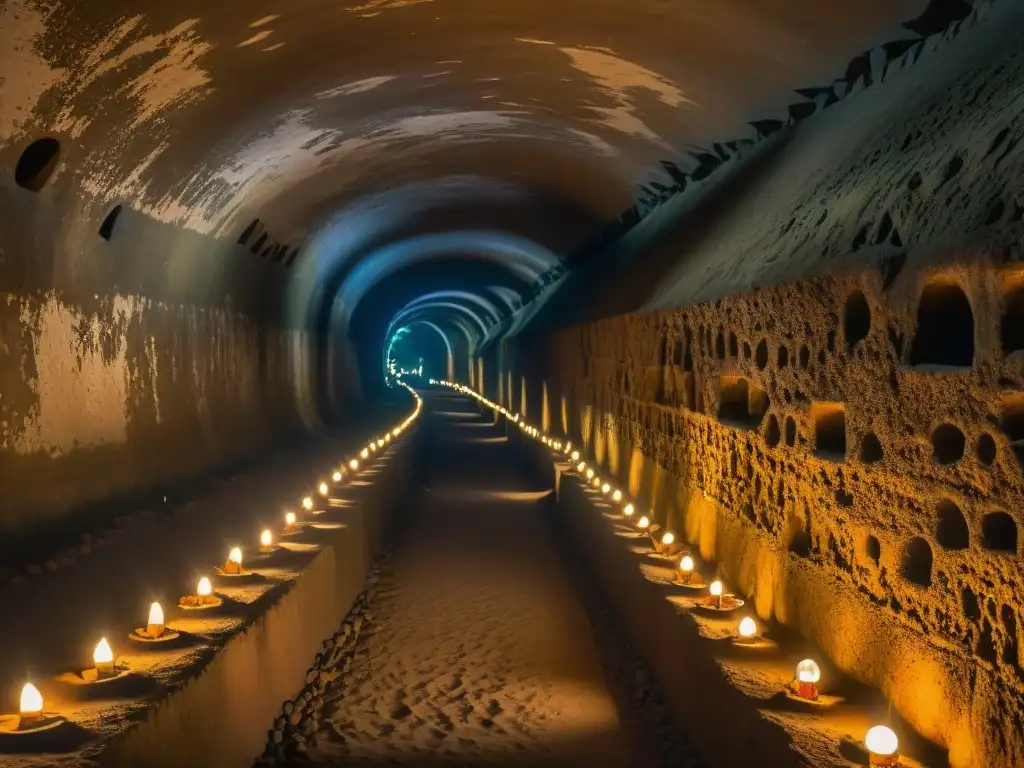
(869, 472)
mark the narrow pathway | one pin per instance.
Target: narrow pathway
(475, 649)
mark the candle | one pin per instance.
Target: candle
(31, 704)
(808, 673)
(155, 624)
(103, 657)
(882, 745)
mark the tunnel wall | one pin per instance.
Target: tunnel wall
(824, 443)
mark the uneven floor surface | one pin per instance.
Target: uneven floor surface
(476, 647)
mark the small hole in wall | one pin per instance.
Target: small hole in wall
(830, 430)
(37, 163)
(952, 531)
(945, 328)
(720, 346)
(1013, 321)
(800, 543)
(243, 239)
(999, 532)
(734, 347)
(107, 227)
(917, 562)
(762, 354)
(771, 432)
(804, 356)
(741, 404)
(783, 357)
(746, 351)
(871, 449)
(986, 448)
(856, 318)
(790, 431)
(972, 611)
(873, 549)
(948, 443)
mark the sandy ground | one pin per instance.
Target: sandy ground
(478, 649)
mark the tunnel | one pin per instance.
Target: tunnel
(435, 382)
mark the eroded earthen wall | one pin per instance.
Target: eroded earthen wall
(851, 451)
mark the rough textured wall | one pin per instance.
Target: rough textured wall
(849, 449)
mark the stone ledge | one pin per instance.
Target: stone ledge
(730, 699)
(209, 699)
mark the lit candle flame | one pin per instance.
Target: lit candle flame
(716, 588)
(617, 496)
(643, 522)
(590, 474)
(204, 588)
(668, 539)
(365, 453)
(155, 625)
(628, 510)
(103, 655)
(580, 466)
(31, 701)
(336, 477)
(605, 488)
(808, 671)
(290, 518)
(323, 489)
(266, 539)
(686, 564)
(353, 465)
(235, 555)
(881, 740)
(307, 503)
(748, 627)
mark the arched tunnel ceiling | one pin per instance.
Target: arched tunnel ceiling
(382, 133)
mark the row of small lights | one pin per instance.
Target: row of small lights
(881, 741)
(31, 703)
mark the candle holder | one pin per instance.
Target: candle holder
(687, 575)
(882, 745)
(748, 635)
(718, 601)
(155, 630)
(31, 718)
(233, 565)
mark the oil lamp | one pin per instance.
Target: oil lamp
(373, 447)
(336, 477)
(31, 705)
(266, 541)
(575, 455)
(307, 503)
(364, 454)
(324, 490)
(596, 481)
(605, 489)
(233, 565)
(882, 745)
(746, 632)
(580, 467)
(289, 521)
(716, 592)
(686, 566)
(617, 495)
(590, 474)
(103, 657)
(643, 523)
(155, 629)
(628, 510)
(353, 465)
(808, 673)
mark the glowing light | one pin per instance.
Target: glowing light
(289, 519)
(266, 539)
(747, 628)
(808, 671)
(235, 555)
(580, 466)
(365, 453)
(31, 701)
(590, 474)
(204, 588)
(716, 588)
(881, 740)
(307, 503)
(103, 655)
(575, 455)
(354, 464)
(155, 625)
(595, 482)
(323, 489)
(336, 477)
(387, 438)
(686, 564)
(605, 488)
(628, 510)
(617, 496)
(668, 539)
(643, 522)
(373, 446)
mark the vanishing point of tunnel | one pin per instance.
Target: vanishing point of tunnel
(512, 383)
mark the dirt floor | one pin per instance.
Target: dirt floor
(478, 633)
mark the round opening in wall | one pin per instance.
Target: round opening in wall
(948, 443)
(37, 164)
(986, 448)
(917, 562)
(951, 531)
(856, 318)
(999, 532)
(107, 227)
(871, 449)
(873, 549)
